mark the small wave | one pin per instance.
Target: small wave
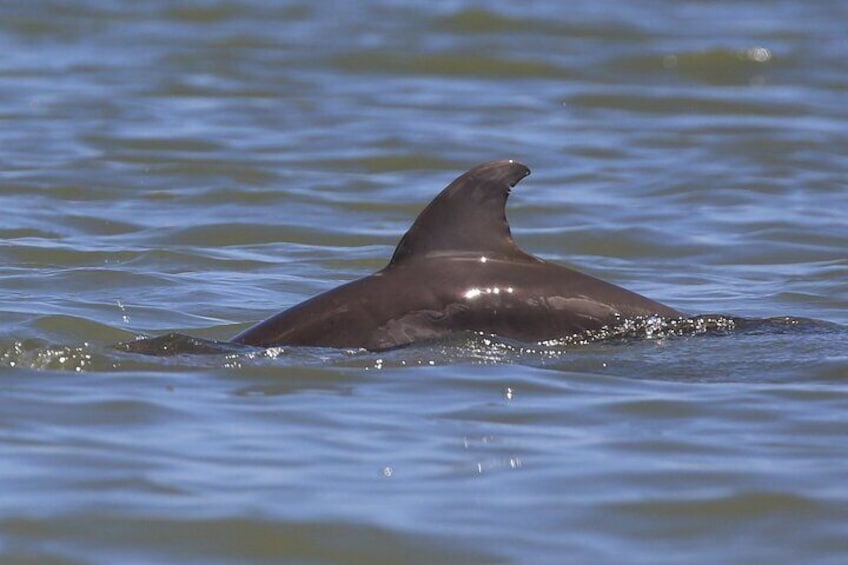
(651, 327)
(484, 346)
(449, 64)
(41, 356)
(467, 347)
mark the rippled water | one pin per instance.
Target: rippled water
(195, 168)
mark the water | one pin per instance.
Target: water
(195, 168)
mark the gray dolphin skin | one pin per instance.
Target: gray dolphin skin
(457, 269)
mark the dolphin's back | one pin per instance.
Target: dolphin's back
(457, 269)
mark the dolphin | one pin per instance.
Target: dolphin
(457, 269)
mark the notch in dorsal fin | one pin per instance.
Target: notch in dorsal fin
(467, 217)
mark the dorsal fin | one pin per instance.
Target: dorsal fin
(467, 217)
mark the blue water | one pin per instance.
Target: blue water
(195, 168)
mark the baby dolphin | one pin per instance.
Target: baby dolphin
(457, 269)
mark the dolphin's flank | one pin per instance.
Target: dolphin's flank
(457, 269)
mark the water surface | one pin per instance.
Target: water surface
(197, 168)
